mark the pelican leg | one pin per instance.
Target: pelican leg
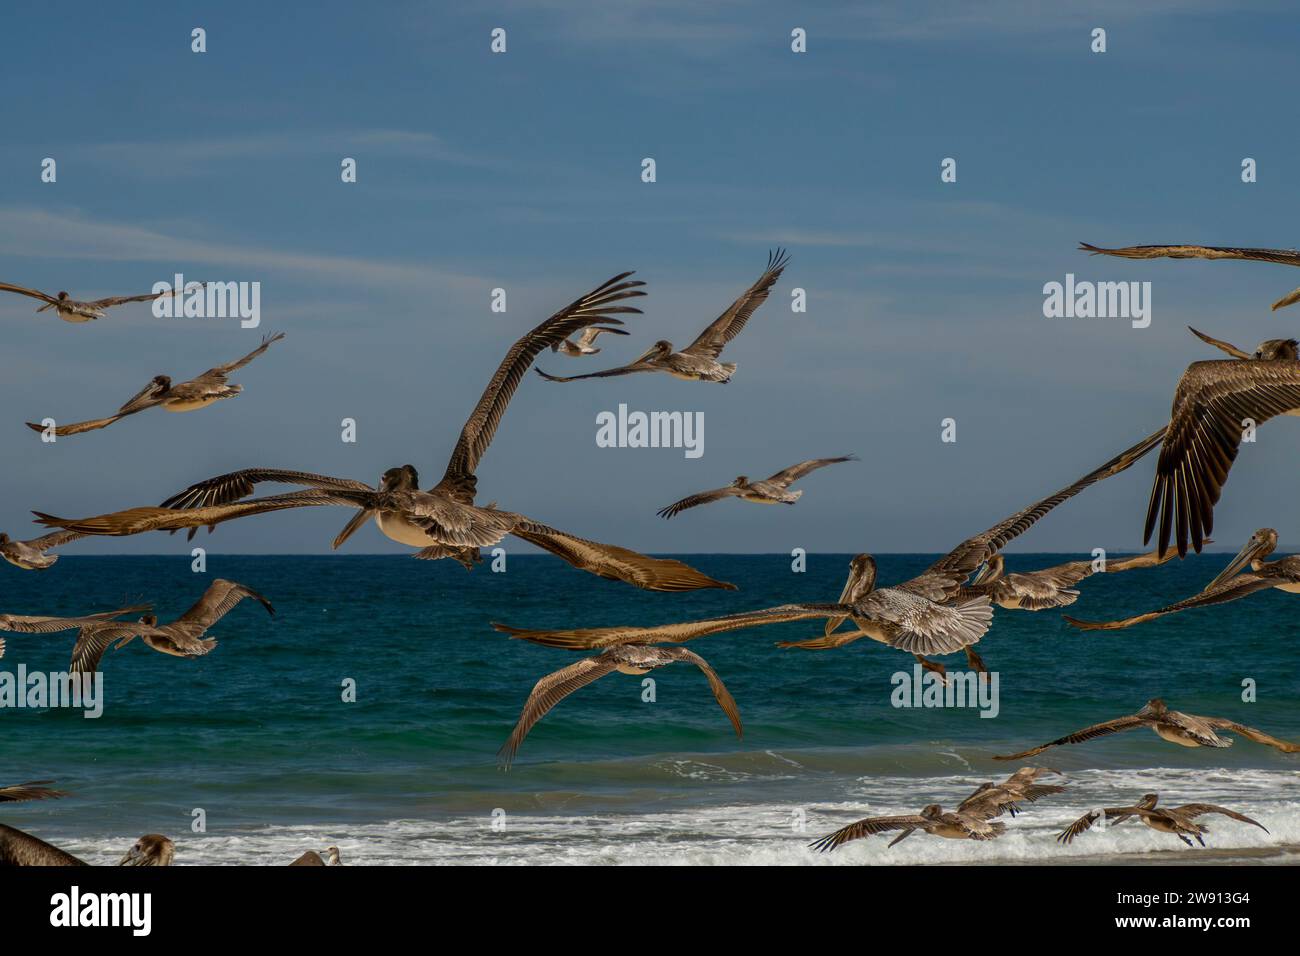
(1185, 840)
(976, 662)
(935, 666)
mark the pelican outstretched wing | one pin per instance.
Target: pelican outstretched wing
(729, 324)
(1287, 257)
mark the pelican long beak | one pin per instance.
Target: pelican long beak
(1243, 558)
(350, 528)
(980, 575)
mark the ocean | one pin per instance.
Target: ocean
(256, 736)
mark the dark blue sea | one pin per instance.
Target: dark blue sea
(257, 737)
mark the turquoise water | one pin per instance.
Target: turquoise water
(256, 733)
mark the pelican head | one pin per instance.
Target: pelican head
(994, 568)
(1271, 349)
(4, 538)
(163, 381)
(862, 579)
(740, 482)
(403, 478)
(1150, 799)
(1261, 544)
(664, 347)
(152, 849)
(149, 620)
(933, 812)
(1154, 708)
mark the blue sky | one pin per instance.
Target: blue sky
(522, 171)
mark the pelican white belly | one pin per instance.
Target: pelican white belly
(1175, 736)
(396, 527)
(192, 404)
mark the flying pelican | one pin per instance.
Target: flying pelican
(767, 491)
(1186, 730)
(996, 798)
(1289, 257)
(917, 616)
(30, 555)
(186, 397)
(959, 825)
(1215, 404)
(181, 638)
(1049, 588)
(1179, 821)
(1283, 574)
(634, 659)
(71, 310)
(443, 521)
(22, 849)
(312, 858)
(32, 790)
(586, 344)
(698, 362)
(25, 624)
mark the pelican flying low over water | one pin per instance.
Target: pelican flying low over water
(30, 555)
(197, 393)
(920, 616)
(1180, 821)
(442, 522)
(766, 491)
(1287, 257)
(1283, 574)
(1049, 588)
(73, 310)
(1186, 730)
(970, 821)
(634, 659)
(698, 362)
(181, 638)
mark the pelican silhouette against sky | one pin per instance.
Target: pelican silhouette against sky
(197, 393)
(919, 616)
(30, 555)
(73, 310)
(1283, 574)
(626, 659)
(29, 624)
(1180, 821)
(1215, 404)
(766, 491)
(698, 362)
(1287, 257)
(1186, 730)
(181, 638)
(442, 522)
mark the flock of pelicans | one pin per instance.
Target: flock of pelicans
(944, 610)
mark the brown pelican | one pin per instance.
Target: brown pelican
(993, 799)
(152, 849)
(186, 397)
(586, 344)
(71, 310)
(181, 638)
(919, 616)
(1049, 588)
(1186, 730)
(22, 849)
(443, 521)
(32, 790)
(959, 825)
(30, 555)
(1214, 404)
(1179, 821)
(766, 491)
(25, 624)
(698, 362)
(1289, 257)
(312, 858)
(634, 659)
(1283, 574)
